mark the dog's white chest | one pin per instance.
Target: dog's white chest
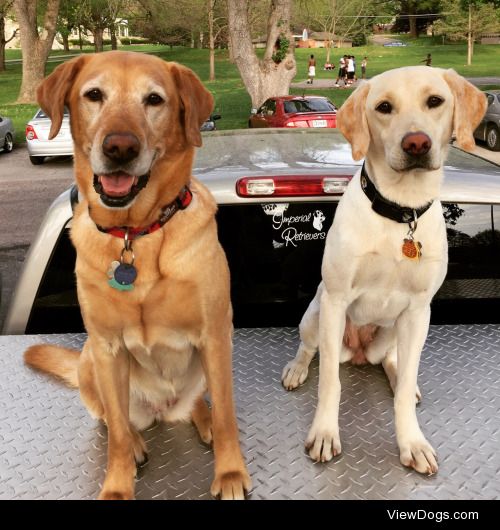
(384, 285)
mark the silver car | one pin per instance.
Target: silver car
(38, 143)
(6, 135)
(489, 128)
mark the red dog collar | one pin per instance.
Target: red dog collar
(181, 202)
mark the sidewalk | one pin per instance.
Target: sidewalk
(330, 83)
(323, 83)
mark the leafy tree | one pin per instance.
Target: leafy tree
(337, 18)
(98, 15)
(174, 21)
(271, 74)
(67, 20)
(5, 6)
(411, 15)
(36, 41)
(217, 23)
(467, 20)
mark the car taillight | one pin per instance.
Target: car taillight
(299, 123)
(30, 133)
(292, 186)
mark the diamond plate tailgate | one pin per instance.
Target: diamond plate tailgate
(52, 449)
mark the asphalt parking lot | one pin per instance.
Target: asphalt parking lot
(26, 191)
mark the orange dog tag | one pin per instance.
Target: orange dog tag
(411, 249)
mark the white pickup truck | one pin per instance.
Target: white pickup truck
(277, 192)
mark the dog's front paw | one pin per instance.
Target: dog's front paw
(420, 455)
(323, 444)
(231, 485)
(115, 495)
(294, 374)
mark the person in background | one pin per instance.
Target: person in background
(342, 70)
(350, 70)
(427, 60)
(364, 62)
(311, 70)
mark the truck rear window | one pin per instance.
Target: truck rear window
(274, 252)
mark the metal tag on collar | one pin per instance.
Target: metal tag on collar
(412, 249)
(124, 274)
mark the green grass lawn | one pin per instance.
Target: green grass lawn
(231, 98)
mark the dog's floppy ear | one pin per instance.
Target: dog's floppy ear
(197, 102)
(352, 123)
(470, 106)
(53, 91)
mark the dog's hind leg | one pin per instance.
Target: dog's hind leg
(202, 418)
(296, 371)
(384, 349)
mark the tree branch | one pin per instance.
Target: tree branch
(14, 33)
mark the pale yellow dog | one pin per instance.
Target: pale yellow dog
(386, 252)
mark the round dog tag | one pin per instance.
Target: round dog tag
(125, 274)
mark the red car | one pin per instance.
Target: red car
(295, 111)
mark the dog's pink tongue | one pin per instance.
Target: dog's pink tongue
(117, 184)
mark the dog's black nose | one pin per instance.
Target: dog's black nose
(121, 147)
(416, 144)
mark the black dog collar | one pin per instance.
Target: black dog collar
(386, 208)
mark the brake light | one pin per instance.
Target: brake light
(292, 186)
(30, 133)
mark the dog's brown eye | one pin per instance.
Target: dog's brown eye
(94, 94)
(434, 101)
(385, 107)
(154, 99)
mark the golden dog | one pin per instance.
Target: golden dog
(152, 278)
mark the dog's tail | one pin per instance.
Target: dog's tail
(54, 360)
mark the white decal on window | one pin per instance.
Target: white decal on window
(275, 209)
(318, 219)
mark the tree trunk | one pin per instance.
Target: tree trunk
(469, 38)
(98, 39)
(80, 39)
(211, 40)
(65, 38)
(114, 41)
(412, 20)
(264, 77)
(195, 40)
(35, 47)
(3, 42)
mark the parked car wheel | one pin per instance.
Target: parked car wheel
(37, 160)
(9, 143)
(493, 138)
